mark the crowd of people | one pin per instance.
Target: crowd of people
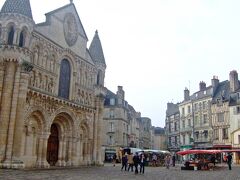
(136, 162)
(130, 161)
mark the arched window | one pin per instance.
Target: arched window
(22, 39)
(10, 35)
(64, 80)
(99, 77)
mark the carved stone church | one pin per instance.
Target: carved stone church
(51, 89)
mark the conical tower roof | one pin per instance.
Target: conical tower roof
(17, 6)
(96, 49)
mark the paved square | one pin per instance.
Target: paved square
(113, 173)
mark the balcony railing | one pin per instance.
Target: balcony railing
(187, 128)
(202, 139)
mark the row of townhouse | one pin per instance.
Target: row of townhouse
(124, 127)
(207, 119)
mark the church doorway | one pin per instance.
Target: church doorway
(53, 145)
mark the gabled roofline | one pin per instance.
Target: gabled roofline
(59, 9)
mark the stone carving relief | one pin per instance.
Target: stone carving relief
(70, 29)
(33, 101)
(84, 97)
(41, 81)
(44, 58)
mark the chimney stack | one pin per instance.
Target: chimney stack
(215, 82)
(186, 95)
(120, 93)
(202, 86)
(233, 79)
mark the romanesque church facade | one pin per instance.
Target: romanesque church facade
(51, 89)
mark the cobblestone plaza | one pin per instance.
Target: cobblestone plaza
(113, 173)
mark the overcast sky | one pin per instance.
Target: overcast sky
(156, 48)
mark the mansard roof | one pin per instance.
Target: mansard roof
(172, 109)
(17, 6)
(234, 98)
(202, 94)
(222, 92)
(159, 130)
(96, 50)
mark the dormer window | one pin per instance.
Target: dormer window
(219, 102)
(112, 101)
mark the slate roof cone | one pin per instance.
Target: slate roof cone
(17, 6)
(96, 50)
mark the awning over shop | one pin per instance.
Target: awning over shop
(220, 146)
(198, 151)
(212, 151)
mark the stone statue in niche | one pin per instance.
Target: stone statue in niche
(86, 99)
(37, 81)
(32, 78)
(44, 59)
(52, 60)
(90, 99)
(45, 83)
(35, 55)
(82, 97)
(78, 99)
(50, 85)
(41, 81)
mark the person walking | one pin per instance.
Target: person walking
(173, 160)
(124, 162)
(154, 160)
(130, 161)
(114, 159)
(142, 163)
(229, 161)
(136, 161)
(213, 160)
(167, 161)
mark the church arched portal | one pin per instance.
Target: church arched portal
(53, 145)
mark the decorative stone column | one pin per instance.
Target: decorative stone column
(98, 123)
(81, 150)
(69, 151)
(64, 152)
(75, 157)
(39, 152)
(77, 151)
(18, 137)
(44, 162)
(60, 152)
(2, 68)
(6, 106)
(11, 126)
(89, 151)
